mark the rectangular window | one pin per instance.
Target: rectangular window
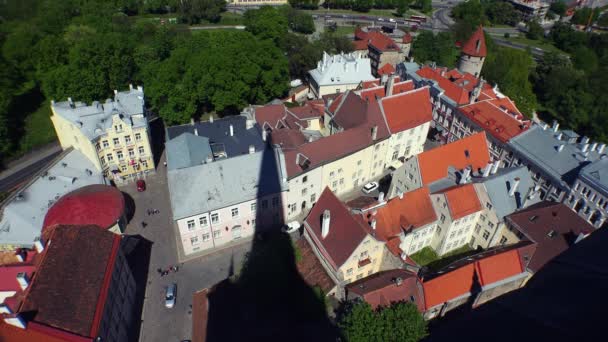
(127, 139)
(331, 174)
(190, 225)
(503, 240)
(491, 225)
(304, 179)
(349, 271)
(477, 228)
(482, 218)
(486, 235)
(203, 221)
(253, 223)
(275, 202)
(105, 144)
(341, 181)
(141, 150)
(234, 212)
(363, 254)
(304, 191)
(103, 160)
(489, 206)
(116, 141)
(254, 207)
(442, 218)
(395, 155)
(215, 218)
(334, 184)
(216, 234)
(264, 204)
(144, 163)
(119, 155)
(110, 157)
(206, 237)
(358, 163)
(123, 168)
(131, 153)
(194, 240)
(313, 198)
(98, 147)
(137, 136)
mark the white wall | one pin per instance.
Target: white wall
(303, 192)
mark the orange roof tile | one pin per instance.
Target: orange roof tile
(381, 42)
(499, 117)
(457, 93)
(386, 69)
(462, 200)
(407, 38)
(413, 211)
(402, 87)
(469, 151)
(484, 271)
(476, 45)
(407, 110)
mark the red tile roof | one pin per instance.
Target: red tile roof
(386, 69)
(456, 86)
(369, 84)
(481, 272)
(469, 151)
(200, 315)
(476, 45)
(407, 38)
(462, 200)
(402, 87)
(97, 204)
(8, 276)
(407, 110)
(413, 211)
(288, 138)
(374, 93)
(345, 232)
(36, 333)
(378, 40)
(270, 114)
(68, 291)
(310, 268)
(499, 117)
(380, 289)
(359, 45)
(537, 221)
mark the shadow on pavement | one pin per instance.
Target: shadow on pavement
(129, 207)
(267, 300)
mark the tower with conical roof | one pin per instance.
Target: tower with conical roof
(473, 53)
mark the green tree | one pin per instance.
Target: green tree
(437, 48)
(333, 43)
(603, 20)
(399, 322)
(470, 12)
(266, 23)
(299, 21)
(584, 16)
(558, 7)
(510, 69)
(586, 60)
(535, 31)
(362, 5)
(402, 6)
(501, 12)
(193, 11)
(304, 4)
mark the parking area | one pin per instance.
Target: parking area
(160, 323)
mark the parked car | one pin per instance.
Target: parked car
(291, 227)
(370, 187)
(170, 295)
(141, 185)
(380, 19)
(391, 20)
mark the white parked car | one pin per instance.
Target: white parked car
(369, 187)
(391, 20)
(170, 295)
(291, 227)
(380, 19)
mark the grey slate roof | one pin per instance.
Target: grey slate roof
(187, 150)
(96, 118)
(596, 174)
(221, 183)
(22, 217)
(218, 133)
(540, 147)
(499, 184)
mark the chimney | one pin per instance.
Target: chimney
(140, 89)
(249, 124)
(380, 197)
(585, 147)
(195, 131)
(389, 85)
(487, 169)
(264, 135)
(325, 223)
(211, 118)
(398, 281)
(477, 45)
(231, 131)
(70, 102)
(593, 146)
(600, 148)
(585, 140)
(545, 126)
(130, 86)
(209, 158)
(115, 92)
(251, 149)
(15, 320)
(514, 187)
(52, 102)
(39, 246)
(560, 148)
(401, 195)
(192, 121)
(374, 133)
(555, 125)
(495, 167)
(22, 280)
(559, 136)
(373, 224)
(466, 174)
(383, 79)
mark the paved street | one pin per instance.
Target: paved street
(159, 323)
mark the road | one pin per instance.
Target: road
(21, 170)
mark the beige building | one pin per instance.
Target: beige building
(114, 135)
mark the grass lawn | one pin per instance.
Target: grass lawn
(345, 30)
(38, 129)
(541, 44)
(428, 257)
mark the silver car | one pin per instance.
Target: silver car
(170, 295)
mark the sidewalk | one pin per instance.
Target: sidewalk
(31, 158)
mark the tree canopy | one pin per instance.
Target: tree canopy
(399, 322)
(439, 48)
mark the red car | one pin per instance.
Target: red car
(141, 185)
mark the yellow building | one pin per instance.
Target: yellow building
(344, 245)
(114, 135)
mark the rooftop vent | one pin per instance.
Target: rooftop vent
(533, 218)
(398, 281)
(552, 233)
